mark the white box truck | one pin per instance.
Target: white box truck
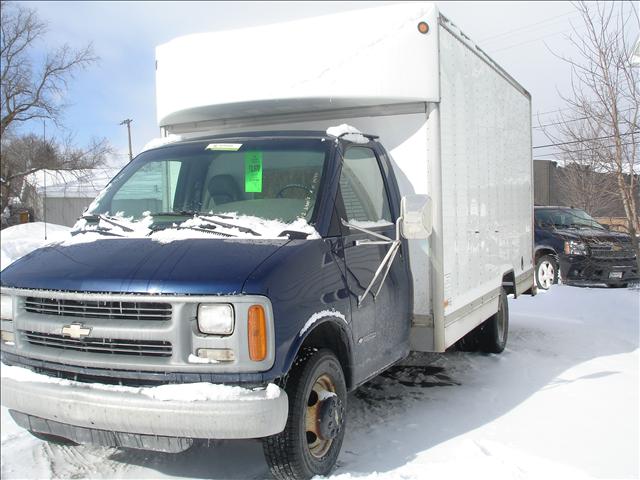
(328, 195)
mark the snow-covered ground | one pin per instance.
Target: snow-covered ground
(560, 402)
(19, 240)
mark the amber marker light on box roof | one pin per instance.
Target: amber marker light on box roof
(257, 329)
(423, 27)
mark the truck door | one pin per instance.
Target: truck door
(380, 322)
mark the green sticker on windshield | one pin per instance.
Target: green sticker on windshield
(253, 172)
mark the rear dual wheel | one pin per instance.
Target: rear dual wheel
(310, 443)
(491, 335)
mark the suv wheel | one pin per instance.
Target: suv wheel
(546, 272)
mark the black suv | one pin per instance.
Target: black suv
(570, 243)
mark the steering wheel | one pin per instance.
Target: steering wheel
(293, 185)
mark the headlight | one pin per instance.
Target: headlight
(6, 307)
(573, 247)
(216, 319)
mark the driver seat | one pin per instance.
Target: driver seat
(223, 189)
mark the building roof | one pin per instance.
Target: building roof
(73, 184)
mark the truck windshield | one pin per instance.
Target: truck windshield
(275, 179)
(566, 218)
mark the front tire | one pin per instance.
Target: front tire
(311, 441)
(546, 272)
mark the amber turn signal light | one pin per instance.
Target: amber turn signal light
(257, 332)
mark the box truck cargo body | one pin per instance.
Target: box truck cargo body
(328, 195)
(456, 126)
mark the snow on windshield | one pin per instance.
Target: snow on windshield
(228, 225)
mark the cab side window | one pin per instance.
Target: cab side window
(362, 187)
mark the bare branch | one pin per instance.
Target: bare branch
(30, 92)
(596, 140)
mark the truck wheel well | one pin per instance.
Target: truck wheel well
(329, 335)
(542, 252)
(509, 283)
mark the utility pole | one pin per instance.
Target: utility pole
(127, 122)
(44, 199)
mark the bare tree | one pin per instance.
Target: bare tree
(28, 92)
(583, 187)
(599, 131)
(27, 154)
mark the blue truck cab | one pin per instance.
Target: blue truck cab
(201, 294)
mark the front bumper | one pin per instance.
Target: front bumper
(581, 269)
(251, 414)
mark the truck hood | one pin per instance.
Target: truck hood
(141, 265)
(592, 235)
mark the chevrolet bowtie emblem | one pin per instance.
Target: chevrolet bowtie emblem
(75, 330)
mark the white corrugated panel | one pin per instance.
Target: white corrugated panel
(486, 175)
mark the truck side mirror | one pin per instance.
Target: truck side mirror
(417, 217)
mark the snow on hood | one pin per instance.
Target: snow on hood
(347, 132)
(203, 226)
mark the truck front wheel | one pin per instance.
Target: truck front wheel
(310, 443)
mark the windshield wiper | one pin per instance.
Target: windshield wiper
(229, 225)
(180, 213)
(212, 231)
(100, 230)
(97, 217)
(209, 220)
(294, 234)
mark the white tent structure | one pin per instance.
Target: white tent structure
(64, 196)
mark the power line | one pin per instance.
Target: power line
(558, 110)
(578, 151)
(526, 27)
(584, 140)
(535, 40)
(560, 123)
(574, 119)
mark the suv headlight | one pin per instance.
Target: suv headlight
(216, 318)
(573, 247)
(6, 307)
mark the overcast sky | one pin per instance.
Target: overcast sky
(518, 35)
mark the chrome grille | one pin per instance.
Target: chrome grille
(611, 252)
(99, 309)
(151, 348)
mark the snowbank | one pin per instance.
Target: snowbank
(17, 241)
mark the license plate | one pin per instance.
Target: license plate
(615, 274)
